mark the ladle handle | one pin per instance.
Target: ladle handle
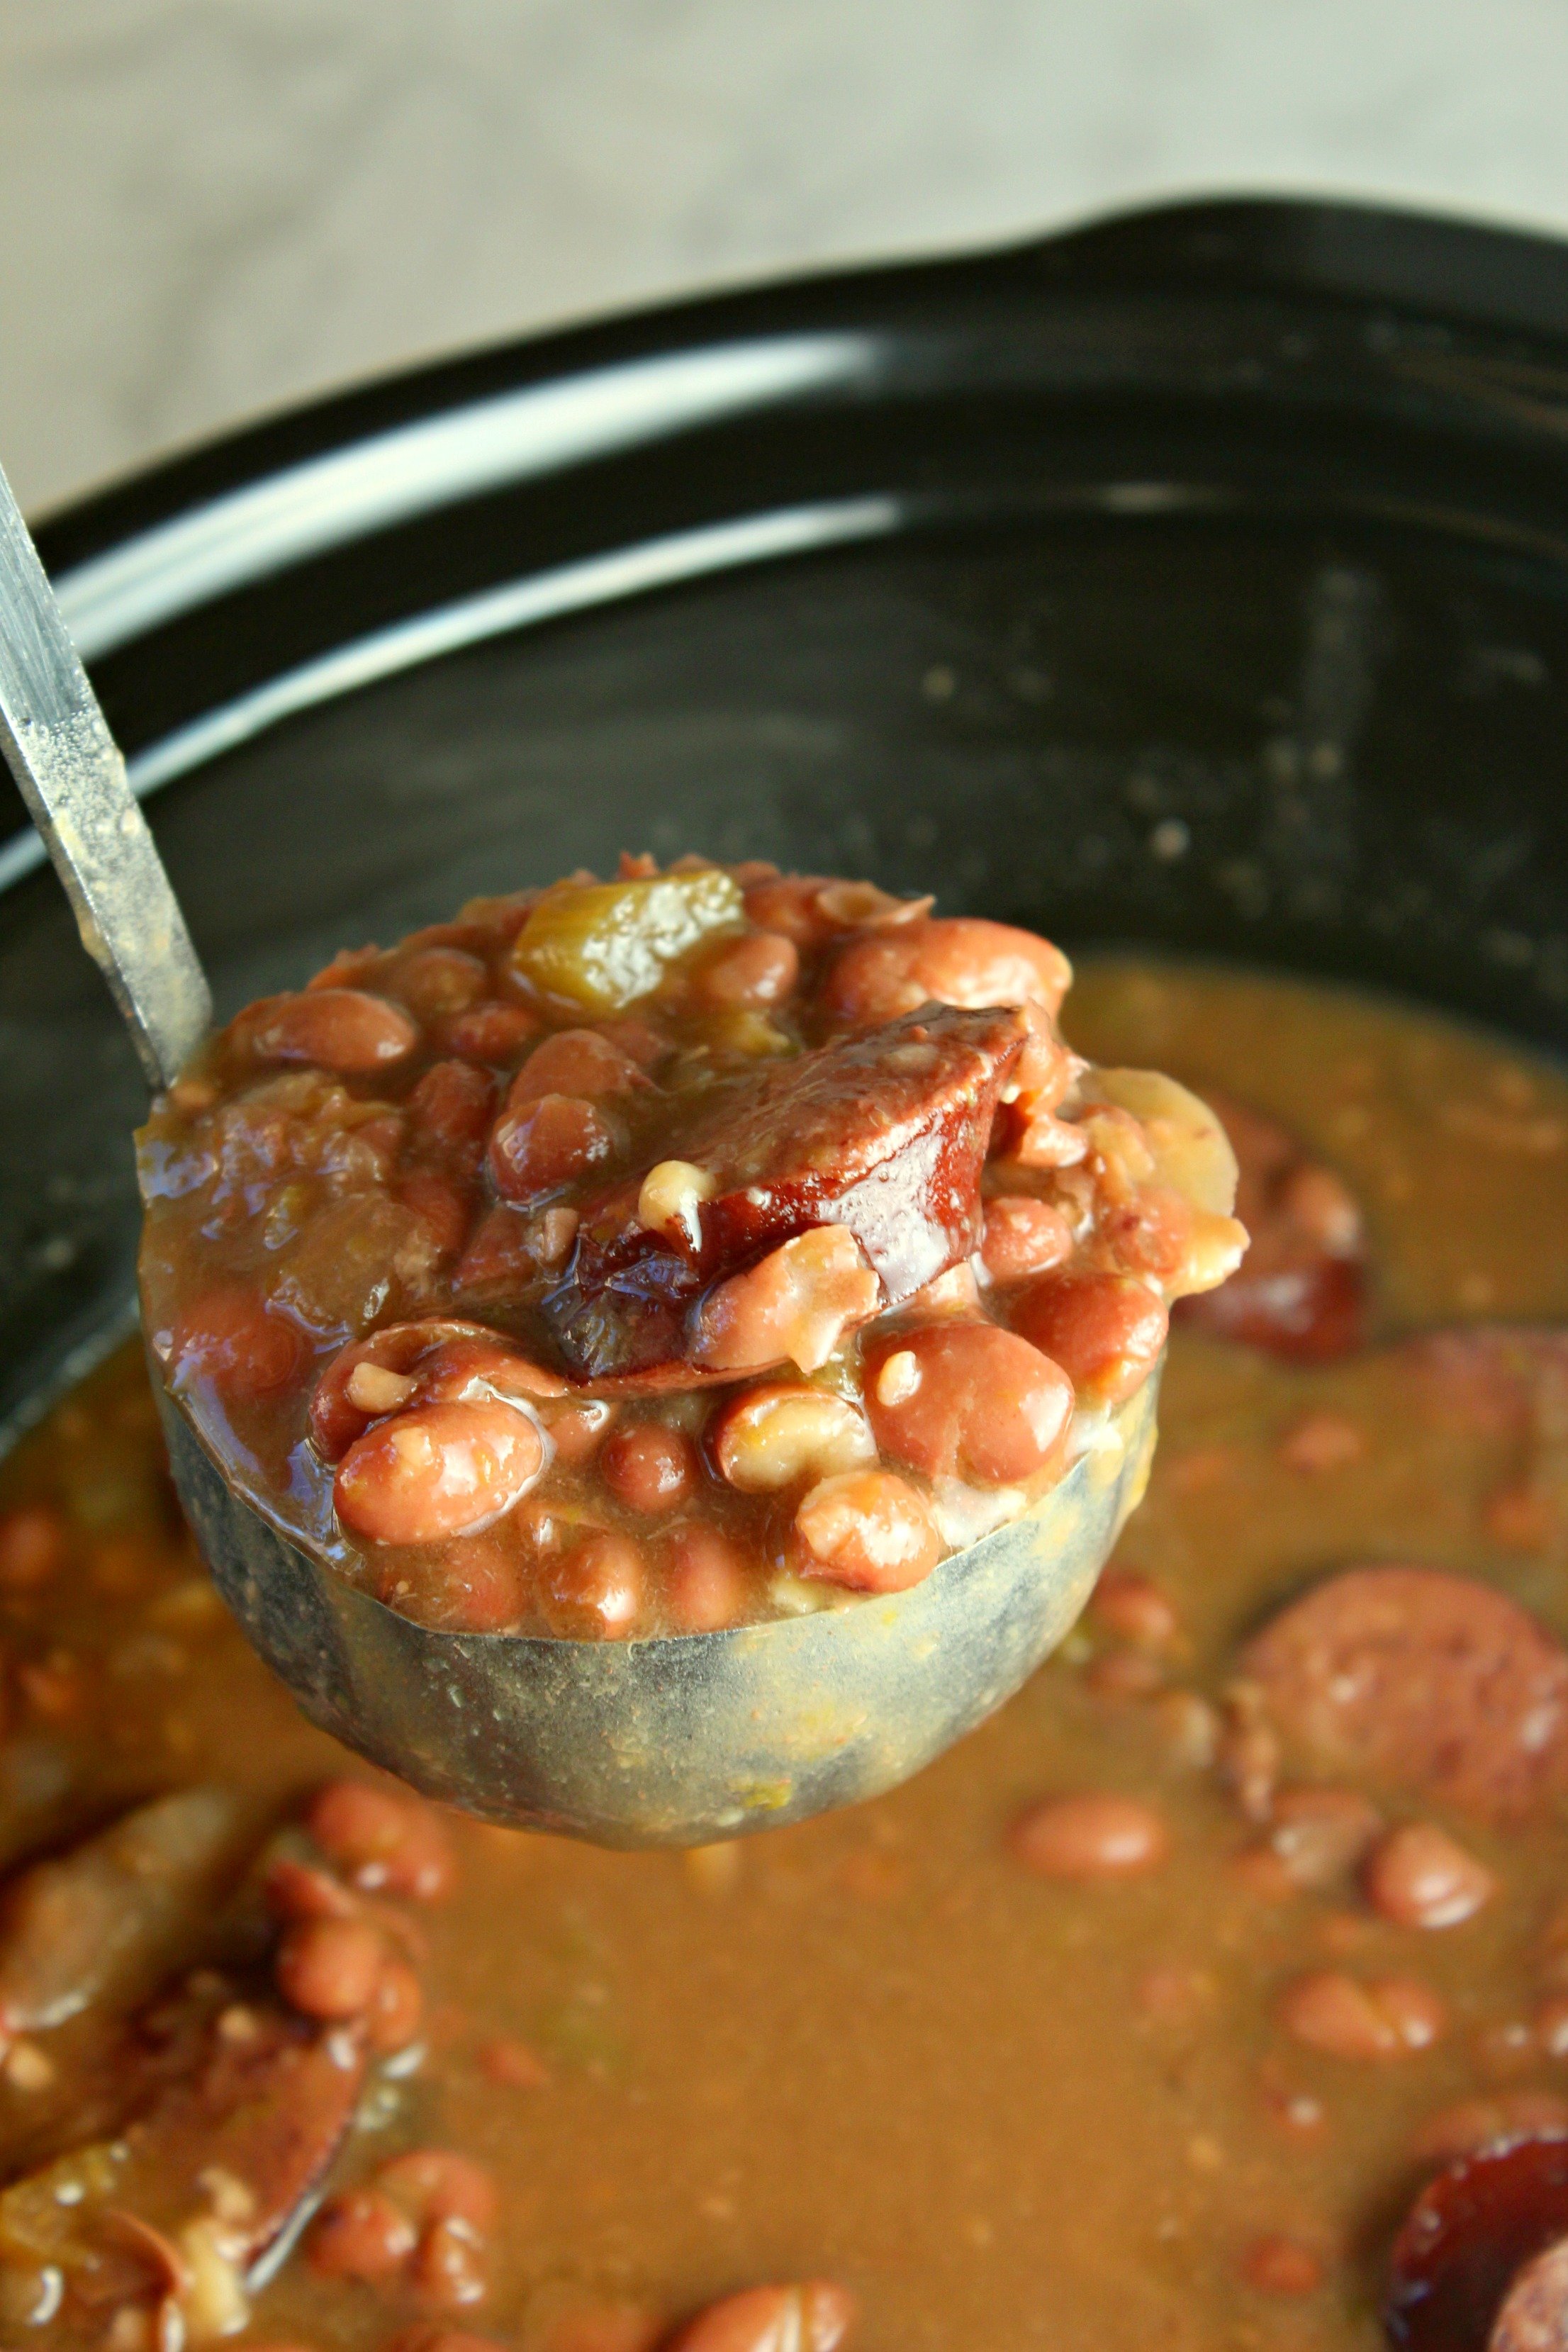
(69, 772)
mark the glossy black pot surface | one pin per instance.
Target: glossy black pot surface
(1200, 579)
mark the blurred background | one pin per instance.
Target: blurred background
(208, 207)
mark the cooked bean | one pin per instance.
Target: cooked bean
(1389, 2018)
(336, 1028)
(429, 2338)
(759, 969)
(383, 1842)
(1421, 1877)
(361, 2234)
(1432, 1682)
(795, 1307)
(577, 1430)
(1023, 1237)
(439, 979)
(706, 1582)
(444, 1361)
(230, 1337)
(438, 1470)
(1318, 1834)
(987, 1406)
(444, 1208)
(1282, 2266)
(1133, 1607)
(451, 1106)
(490, 1032)
(330, 1968)
(814, 2317)
(1093, 1836)
(648, 1467)
(448, 2270)
(869, 1530)
(1105, 1330)
(596, 1591)
(949, 960)
(438, 2184)
(547, 1144)
(1470, 2124)
(574, 1062)
(32, 1547)
(766, 1438)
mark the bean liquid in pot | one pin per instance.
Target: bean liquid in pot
(1144, 2017)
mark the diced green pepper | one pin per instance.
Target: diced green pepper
(607, 943)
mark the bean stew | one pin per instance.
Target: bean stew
(1214, 1994)
(654, 1255)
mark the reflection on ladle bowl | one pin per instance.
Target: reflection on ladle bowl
(681, 1741)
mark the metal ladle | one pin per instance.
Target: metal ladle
(673, 1741)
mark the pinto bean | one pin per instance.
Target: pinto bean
(549, 1143)
(595, 1592)
(574, 1062)
(1421, 1877)
(705, 1580)
(1096, 1835)
(760, 970)
(1430, 1682)
(1341, 2015)
(451, 1109)
(1279, 2265)
(361, 2234)
(1023, 1237)
(383, 1842)
(33, 1546)
(448, 2270)
(1105, 1330)
(986, 1406)
(1134, 1609)
(795, 1307)
(229, 1338)
(443, 1362)
(944, 959)
(438, 2184)
(445, 1208)
(437, 980)
(648, 1467)
(869, 1530)
(814, 2317)
(1318, 1834)
(338, 1029)
(435, 1471)
(491, 1032)
(766, 1438)
(330, 1968)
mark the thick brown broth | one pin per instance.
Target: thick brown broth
(1006, 2111)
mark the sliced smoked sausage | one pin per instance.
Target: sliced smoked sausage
(1429, 1682)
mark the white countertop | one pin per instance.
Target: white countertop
(213, 206)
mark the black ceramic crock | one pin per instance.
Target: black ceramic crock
(1199, 578)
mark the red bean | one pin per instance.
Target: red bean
(868, 1531)
(330, 1968)
(793, 1305)
(705, 1582)
(1105, 1330)
(448, 2270)
(1367, 2022)
(648, 1467)
(361, 2234)
(1318, 1834)
(574, 1062)
(336, 1028)
(576, 1430)
(596, 1591)
(1023, 1237)
(757, 971)
(1094, 1836)
(1421, 1877)
(490, 1032)
(438, 2184)
(1470, 2124)
(1282, 2266)
(947, 959)
(439, 980)
(444, 1208)
(452, 1105)
(230, 1337)
(1134, 1609)
(381, 1841)
(979, 1402)
(548, 1143)
(32, 1547)
(814, 2317)
(435, 1471)
(479, 1585)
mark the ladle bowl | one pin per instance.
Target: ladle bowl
(686, 1739)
